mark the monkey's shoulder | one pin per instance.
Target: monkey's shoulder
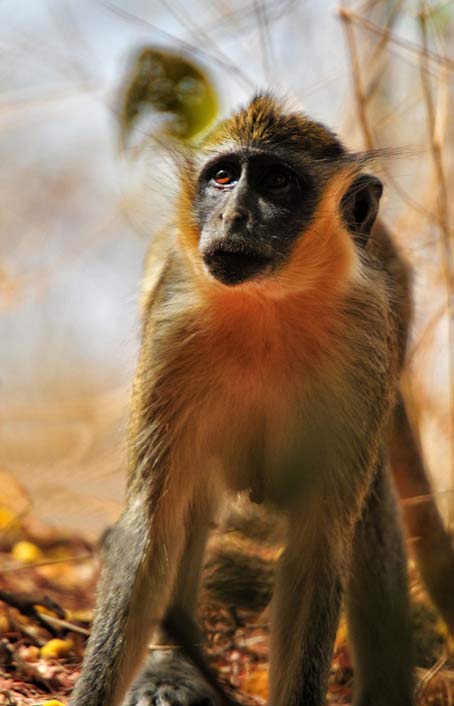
(384, 255)
(156, 267)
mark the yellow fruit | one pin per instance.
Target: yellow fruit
(26, 552)
(52, 702)
(56, 648)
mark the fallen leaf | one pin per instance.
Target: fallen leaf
(56, 648)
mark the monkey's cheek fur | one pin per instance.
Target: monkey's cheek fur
(233, 268)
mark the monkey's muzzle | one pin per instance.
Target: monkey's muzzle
(233, 266)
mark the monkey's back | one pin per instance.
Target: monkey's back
(384, 250)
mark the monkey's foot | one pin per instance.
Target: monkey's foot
(169, 680)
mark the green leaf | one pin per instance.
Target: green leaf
(165, 83)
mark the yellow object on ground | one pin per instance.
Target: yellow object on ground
(56, 648)
(26, 552)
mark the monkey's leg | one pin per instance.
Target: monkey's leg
(306, 608)
(135, 588)
(377, 603)
(169, 679)
(431, 542)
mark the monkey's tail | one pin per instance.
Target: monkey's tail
(430, 540)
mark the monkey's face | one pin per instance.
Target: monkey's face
(276, 200)
(251, 206)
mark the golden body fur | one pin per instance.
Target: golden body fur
(281, 382)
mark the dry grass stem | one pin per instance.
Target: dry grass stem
(406, 44)
(360, 97)
(435, 121)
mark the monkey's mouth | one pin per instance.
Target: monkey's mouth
(235, 266)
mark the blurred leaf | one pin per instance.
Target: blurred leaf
(168, 84)
(440, 17)
(56, 648)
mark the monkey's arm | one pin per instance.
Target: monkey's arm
(131, 598)
(143, 550)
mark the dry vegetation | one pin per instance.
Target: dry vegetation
(61, 448)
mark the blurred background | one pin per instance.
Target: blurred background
(80, 203)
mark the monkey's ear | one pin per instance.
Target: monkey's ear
(359, 206)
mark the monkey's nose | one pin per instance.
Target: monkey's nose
(236, 217)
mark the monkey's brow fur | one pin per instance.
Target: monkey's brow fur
(264, 122)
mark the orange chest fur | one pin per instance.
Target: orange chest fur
(259, 342)
(254, 381)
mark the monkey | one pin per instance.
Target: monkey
(275, 324)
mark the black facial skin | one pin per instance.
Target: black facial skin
(251, 206)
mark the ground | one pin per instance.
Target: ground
(47, 594)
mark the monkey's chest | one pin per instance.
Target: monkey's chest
(268, 406)
(267, 432)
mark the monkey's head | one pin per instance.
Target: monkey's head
(273, 191)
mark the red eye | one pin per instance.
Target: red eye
(225, 176)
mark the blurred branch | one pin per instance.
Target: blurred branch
(361, 102)
(427, 333)
(378, 55)
(79, 52)
(265, 38)
(48, 562)
(195, 49)
(430, 55)
(29, 605)
(198, 33)
(427, 677)
(436, 145)
(49, 620)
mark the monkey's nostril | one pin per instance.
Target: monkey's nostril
(237, 217)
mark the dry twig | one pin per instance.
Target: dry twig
(447, 259)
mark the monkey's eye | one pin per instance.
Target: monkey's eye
(227, 175)
(278, 178)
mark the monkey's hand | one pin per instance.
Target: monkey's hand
(168, 679)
